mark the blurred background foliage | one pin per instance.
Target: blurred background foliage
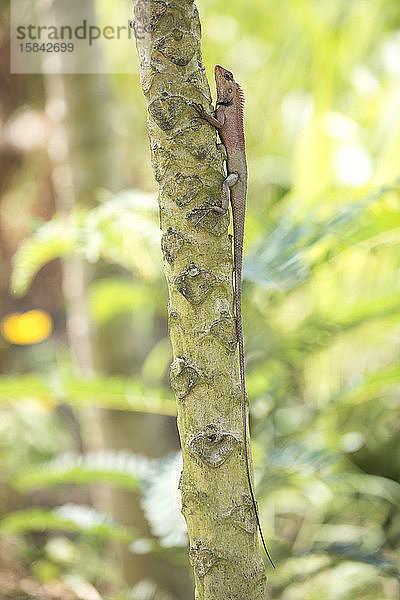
(321, 317)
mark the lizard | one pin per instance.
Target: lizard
(228, 120)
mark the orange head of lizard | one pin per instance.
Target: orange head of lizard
(227, 88)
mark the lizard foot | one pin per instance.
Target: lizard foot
(198, 108)
(205, 210)
(201, 113)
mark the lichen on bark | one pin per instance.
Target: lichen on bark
(188, 166)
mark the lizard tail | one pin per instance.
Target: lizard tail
(247, 450)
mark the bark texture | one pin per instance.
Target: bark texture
(188, 166)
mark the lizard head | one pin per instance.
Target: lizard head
(227, 88)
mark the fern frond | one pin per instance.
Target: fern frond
(69, 517)
(123, 230)
(161, 501)
(122, 469)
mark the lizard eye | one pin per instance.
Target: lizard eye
(230, 90)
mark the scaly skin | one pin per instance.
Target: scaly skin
(229, 122)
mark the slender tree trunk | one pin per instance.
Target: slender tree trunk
(188, 166)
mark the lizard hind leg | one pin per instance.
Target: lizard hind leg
(205, 210)
(230, 180)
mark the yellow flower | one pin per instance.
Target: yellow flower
(30, 327)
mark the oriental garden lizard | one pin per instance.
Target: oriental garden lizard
(228, 120)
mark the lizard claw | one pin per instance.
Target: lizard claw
(204, 211)
(198, 108)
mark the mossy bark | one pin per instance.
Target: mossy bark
(188, 166)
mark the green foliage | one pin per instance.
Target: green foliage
(41, 433)
(54, 239)
(112, 296)
(105, 392)
(295, 247)
(122, 230)
(161, 502)
(144, 590)
(121, 469)
(69, 517)
(157, 480)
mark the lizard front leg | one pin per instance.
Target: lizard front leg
(230, 180)
(215, 122)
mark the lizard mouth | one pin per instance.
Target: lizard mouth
(222, 73)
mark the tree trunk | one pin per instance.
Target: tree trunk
(188, 166)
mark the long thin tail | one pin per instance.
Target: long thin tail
(238, 302)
